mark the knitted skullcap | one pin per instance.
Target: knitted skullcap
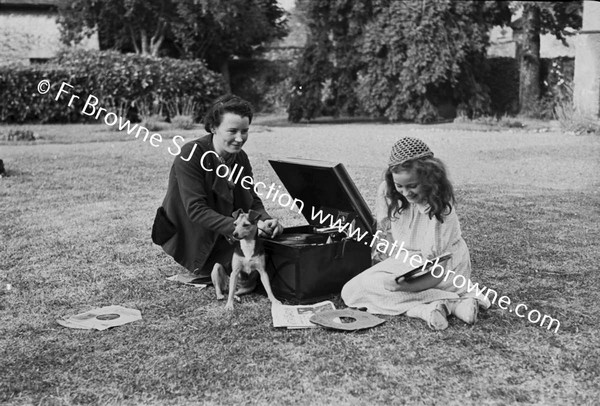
(408, 148)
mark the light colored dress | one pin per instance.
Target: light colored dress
(418, 234)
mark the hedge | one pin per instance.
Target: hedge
(115, 79)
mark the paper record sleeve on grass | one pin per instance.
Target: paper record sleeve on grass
(187, 279)
(102, 318)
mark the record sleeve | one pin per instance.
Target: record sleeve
(102, 318)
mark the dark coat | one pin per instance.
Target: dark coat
(199, 203)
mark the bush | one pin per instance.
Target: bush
(154, 123)
(556, 87)
(182, 112)
(182, 122)
(21, 100)
(19, 135)
(571, 120)
(117, 80)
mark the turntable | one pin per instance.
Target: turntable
(306, 263)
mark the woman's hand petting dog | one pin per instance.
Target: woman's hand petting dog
(269, 228)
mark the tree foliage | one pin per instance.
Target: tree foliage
(558, 18)
(397, 59)
(425, 53)
(213, 30)
(121, 24)
(327, 73)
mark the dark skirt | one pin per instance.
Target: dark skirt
(221, 253)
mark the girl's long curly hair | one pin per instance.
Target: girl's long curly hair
(433, 178)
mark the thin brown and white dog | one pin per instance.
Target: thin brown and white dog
(247, 263)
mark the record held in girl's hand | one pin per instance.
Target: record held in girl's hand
(424, 269)
(421, 278)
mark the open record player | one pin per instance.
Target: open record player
(310, 263)
(316, 236)
(296, 239)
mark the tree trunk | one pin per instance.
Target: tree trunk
(133, 41)
(529, 76)
(144, 38)
(225, 72)
(155, 45)
(157, 39)
(586, 94)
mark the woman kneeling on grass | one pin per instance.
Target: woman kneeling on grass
(415, 209)
(196, 223)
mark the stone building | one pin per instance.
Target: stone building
(587, 64)
(29, 32)
(504, 43)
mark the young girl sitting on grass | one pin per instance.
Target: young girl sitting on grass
(415, 209)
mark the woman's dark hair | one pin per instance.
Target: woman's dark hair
(226, 104)
(432, 176)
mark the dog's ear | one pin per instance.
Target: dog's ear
(253, 216)
(237, 213)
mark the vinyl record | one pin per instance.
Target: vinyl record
(331, 319)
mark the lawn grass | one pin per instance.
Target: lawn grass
(75, 220)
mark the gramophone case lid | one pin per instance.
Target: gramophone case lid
(323, 185)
